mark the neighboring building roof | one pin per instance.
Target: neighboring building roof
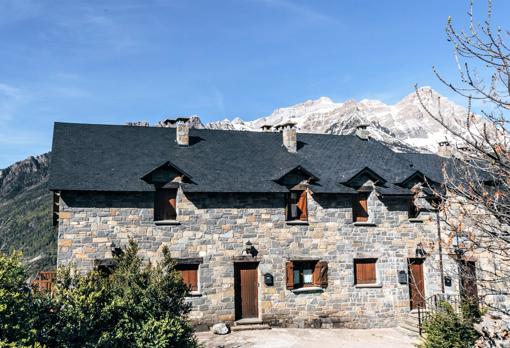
(428, 164)
(115, 158)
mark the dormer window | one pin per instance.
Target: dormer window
(413, 211)
(296, 206)
(165, 205)
(360, 207)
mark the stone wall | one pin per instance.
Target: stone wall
(217, 226)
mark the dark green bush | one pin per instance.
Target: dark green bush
(136, 305)
(446, 329)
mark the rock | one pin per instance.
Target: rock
(494, 315)
(494, 331)
(220, 329)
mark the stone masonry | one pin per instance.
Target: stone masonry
(215, 227)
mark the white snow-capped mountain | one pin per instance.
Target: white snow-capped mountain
(404, 126)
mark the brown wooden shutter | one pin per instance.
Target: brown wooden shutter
(317, 274)
(189, 274)
(365, 271)
(290, 275)
(303, 206)
(323, 273)
(193, 279)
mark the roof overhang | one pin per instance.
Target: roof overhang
(297, 169)
(417, 176)
(151, 176)
(372, 175)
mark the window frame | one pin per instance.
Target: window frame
(168, 212)
(413, 212)
(290, 201)
(358, 211)
(365, 260)
(319, 274)
(193, 289)
(300, 267)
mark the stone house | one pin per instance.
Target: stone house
(285, 228)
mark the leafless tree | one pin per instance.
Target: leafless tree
(476, 194)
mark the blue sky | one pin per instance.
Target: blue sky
(118, 61)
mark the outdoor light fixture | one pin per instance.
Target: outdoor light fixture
(249, 248)
(420, 252)
(459, 252)
(457, 248)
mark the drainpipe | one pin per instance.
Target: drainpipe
(440, 249)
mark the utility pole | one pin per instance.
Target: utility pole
(440, 242)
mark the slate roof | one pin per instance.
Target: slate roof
(92, 157)
(428, 164)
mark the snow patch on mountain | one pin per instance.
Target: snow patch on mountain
(405, 126)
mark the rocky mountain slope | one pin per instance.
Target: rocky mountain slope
(25, 212)
(404, 126)
(25, 202)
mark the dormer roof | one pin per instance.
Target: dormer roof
(164, 173)
(296, 169)
(362, 176)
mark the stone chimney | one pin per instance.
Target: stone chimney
(266, 128)
(182, 131)
(138, 124)
(289, 133)
(362, 132)
(445, 149)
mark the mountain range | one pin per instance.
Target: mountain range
(25, 202)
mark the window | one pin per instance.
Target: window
(413, 210)
(360, 207)
(165, 205)
(189, 273)
(364, 271)
(297, 206)
(302, 274)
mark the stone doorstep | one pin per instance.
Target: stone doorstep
(246, 327)
(408, 331)
(249, 324)
(248, 321)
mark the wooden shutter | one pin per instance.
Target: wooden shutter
(290, 275)
(193, 278)
(321, 274)
(302, 206)
(189, 274)
(317, 274)
(365, 272)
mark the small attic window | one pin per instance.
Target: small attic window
(165, 204)
(412, 211)
(360, 207)
(296, 206)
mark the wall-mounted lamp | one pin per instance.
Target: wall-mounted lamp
(420, 252)
(458, 247)
(249, 248)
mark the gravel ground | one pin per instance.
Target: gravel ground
(309, 338)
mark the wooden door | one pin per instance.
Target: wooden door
(246, 290)
(416, 284)
(468, 288)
